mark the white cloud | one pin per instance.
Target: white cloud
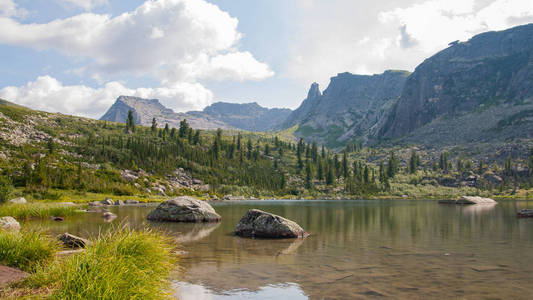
(85, 4)
(157, 37)
(178, 42)
(370, 37)
(48, 94)
(8, 8)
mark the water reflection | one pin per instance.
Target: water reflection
(357, 249)
(187, 291)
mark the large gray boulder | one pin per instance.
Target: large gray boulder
(257, 223)
(19, 200)
(9, 224)
(184, 209)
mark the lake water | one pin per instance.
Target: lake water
(356, 250)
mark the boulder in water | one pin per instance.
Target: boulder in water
(184, 209)
(525, 213)
(469, 200)
(257, 223)
(107, 201)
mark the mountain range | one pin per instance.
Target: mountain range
(248, 116)
(480, 90)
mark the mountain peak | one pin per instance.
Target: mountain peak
(314, 91)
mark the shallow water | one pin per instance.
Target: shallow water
(356, 250)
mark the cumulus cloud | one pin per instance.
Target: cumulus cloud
(177, 42)
(156, 37)
(48, 94)
(8, 8)
(370, 37)
(85, 4)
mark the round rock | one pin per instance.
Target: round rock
(184, 209)
(257, 223)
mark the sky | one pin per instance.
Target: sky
(77, 56)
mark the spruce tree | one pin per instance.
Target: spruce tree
(154, 125)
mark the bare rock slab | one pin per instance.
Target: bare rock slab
(257, 223)
(184, 209)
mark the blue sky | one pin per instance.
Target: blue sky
(77, 56)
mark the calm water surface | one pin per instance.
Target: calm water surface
(356, 250)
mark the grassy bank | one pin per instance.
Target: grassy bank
(26, 250)
(120, 264)
(37, 210)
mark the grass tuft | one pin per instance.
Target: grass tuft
(121, 264)
(26, 250)
(34, 210)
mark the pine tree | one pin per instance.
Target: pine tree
(184, 128)
(196, 139)
(381, 172)
(166, 131)
(239, 142)
(154, 125)
(50, 145)
(130, 122)
(414, 162)
(308, 176)
(392, 166)
(314, 152)
(345, 167)
(330, 175)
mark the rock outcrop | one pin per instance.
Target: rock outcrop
(257, 223)
(184, 209)
(9, 224)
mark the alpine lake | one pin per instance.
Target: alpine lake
(357, 249)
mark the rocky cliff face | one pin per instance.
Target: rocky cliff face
(249, 116)
(350, 108)
(481, 89)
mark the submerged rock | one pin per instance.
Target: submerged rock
(19, 200)
(73, 241)
(119, 202)
(109, 216)
(95, 203)
(9, 224)
(184, 209)
(525, 213)
(129, 201)
(257, 223)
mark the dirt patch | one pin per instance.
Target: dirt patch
(9, 275)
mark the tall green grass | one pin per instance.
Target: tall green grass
(26, 250)
(121, 264)
(37, 210)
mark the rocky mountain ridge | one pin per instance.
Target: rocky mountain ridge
(350, 108)
(248, 116)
